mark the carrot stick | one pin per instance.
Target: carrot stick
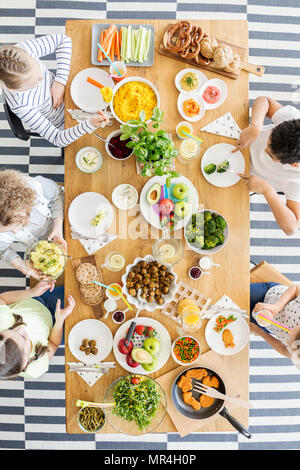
(94, 82)
(99, 57)
(120, 39)
(117, 46)
(108, 38)
(112, 50)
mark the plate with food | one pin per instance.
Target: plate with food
(191, 107)
(213, 92)
(195, 405)
(133, 95)
(220, 167)
(86, 94)
(148, 350)
(171, 206)
(131, 43)
(139, 404)
(227, 333)
(90, 341)
(47, 257)
(90, 214)
(148, 284)
(206, 232)
(189, 80)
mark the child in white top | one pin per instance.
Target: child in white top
(35, 94)
(31, 209)
(275, 159)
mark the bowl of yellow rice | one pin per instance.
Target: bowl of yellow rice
(133, 95)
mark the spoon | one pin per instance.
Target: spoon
(104, 140)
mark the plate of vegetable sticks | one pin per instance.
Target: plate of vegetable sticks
(132, 44)
(238, 330)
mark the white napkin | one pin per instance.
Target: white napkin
(224, 125)
(224, 302)
(80, 116)
(91, 377)
(93, 245)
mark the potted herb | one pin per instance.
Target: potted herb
(154, 150)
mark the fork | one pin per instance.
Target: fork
(212, 392)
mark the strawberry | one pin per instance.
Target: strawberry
(139, 329)
(149, 331)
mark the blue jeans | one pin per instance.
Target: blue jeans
(258, 291)
(49, 299)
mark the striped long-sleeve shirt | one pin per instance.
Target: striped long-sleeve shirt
(34, 107)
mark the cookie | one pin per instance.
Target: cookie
(92, 294)
(86, 273)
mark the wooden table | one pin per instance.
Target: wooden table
(233, 276)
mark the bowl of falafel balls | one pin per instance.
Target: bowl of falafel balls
(149, 284)
(206, 232)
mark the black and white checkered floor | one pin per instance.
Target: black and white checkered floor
(32, 414)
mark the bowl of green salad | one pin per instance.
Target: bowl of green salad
(139, 404)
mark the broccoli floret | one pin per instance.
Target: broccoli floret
(191, 239)
(211, 241)
(209, 169)
(210, 227)
(222, 167)
(207, 216)
(199, 242)
(220, 235)
(220, 222)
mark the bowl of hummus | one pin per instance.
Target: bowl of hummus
(47, 257)
(88, 159)
(189, 80)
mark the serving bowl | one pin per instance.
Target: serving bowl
(128, 80)
(115, 134)
(173, 354)
(216, 248)
(32, 248)
(130, 427)
(141, 304)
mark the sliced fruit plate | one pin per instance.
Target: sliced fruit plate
(148, 350)
(171, 206)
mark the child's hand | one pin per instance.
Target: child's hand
(254, 183)
(248, 135)
(57, 93)
(57, 234)
(99, 118)
(62, 313)
(42, 287)
(274, 309)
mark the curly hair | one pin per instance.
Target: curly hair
(15, 197)
(285, 141)
(14, 62)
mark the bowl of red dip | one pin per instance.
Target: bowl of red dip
(116, 148)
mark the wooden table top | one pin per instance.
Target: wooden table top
(232, 278)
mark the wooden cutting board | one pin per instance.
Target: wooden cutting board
(256, 69)
(97, 308)
(221, 366)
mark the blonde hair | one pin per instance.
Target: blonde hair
(14, 62)
(15, 196)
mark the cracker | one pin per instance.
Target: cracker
(92, 294)
(86, 273)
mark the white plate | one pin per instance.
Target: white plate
(183, 97)
(150, 215)
(86, 96)
(217, 154)
(84, 208)
(201, 77)
(239, 329)
(222, 87)
(90, 329)
(165, 344)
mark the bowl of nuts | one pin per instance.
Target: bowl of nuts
(149, 283)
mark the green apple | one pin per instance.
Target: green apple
(180, 190)
(152, 366)
(182, 209)
(152, 345)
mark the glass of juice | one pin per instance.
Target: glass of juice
(189, 149)
(184, 127)
(191, 319)
(112, 294)
(261, 321)
(114, 261)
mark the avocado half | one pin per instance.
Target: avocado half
(142, 356)
(153, 195)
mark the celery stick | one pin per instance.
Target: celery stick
(148, 38)
(128, 44)
(132, 44)
(142, 46)
(123, 42)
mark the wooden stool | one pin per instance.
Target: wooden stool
(265, 272)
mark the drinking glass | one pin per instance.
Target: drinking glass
(168, 251)
(189, 149)
(191, 320)
(114, 261)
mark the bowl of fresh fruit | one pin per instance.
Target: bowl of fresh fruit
(148, 349)
(206, 231)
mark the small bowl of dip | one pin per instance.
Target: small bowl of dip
(88, 159)
(125, 196)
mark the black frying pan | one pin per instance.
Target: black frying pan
(203, 413)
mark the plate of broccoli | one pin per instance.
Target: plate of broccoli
(220, 167)
(206, 232)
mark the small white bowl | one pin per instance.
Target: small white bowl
(118, 190)
(184, 123)
(221, 85)
(80, 152)
(114, 134)
(175, 358)
(201, 77)
(109, 293)
(183, 97)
